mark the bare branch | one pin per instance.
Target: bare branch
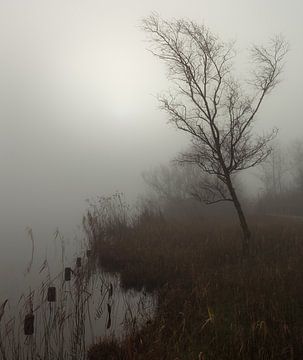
(210, 105)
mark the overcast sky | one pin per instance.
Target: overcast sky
(78, 114)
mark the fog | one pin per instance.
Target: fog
(78, 109)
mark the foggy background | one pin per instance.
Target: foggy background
(78, 112)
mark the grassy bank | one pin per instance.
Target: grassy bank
(212, 304)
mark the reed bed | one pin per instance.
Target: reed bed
(211, 303)
(59, 319)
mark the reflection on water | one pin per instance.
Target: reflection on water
(67, 307)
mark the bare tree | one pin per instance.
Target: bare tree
(185, 184)
(175, 189)
(173, 182)
(211, 106)
(168, 182)
(274, 172)
(297, 164)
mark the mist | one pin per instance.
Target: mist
(79, 114)
(78, 106)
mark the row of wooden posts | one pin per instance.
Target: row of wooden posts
(51, 295)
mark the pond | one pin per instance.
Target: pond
(60, 302)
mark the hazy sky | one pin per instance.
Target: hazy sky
(78, 116)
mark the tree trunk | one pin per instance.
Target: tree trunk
(242, 218)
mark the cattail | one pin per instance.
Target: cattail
(109, 321)
(2, 308)
(110, 291)
(29, 324)
(51, 294)
(78, 262)
(67, 273)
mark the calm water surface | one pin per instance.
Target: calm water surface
(32, 259)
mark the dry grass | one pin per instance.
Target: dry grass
(211, 302)
(59, 318)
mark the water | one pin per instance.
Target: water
(88, 307)
(17, 252)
